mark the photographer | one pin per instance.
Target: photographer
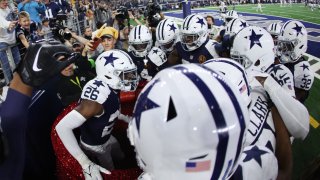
(153, 16)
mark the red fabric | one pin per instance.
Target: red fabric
(127, 97)
(69, 168)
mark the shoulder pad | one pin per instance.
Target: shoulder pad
(303, 75)
(283, 76)
(210, 45)
(96, 90)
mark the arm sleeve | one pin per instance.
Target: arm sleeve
(65, 131)
(293, 113)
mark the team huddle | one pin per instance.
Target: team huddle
(216, 103)
(228, 111)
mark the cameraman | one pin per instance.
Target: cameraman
(153, 16)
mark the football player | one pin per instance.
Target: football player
(41, 63)
(292, 44)
(97, 112)
(140, 43)
(253, 48)
(194, 45)
(176, 138)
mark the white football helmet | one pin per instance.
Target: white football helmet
(116, 68)
(140, 40)
(235, 25)
(167, 34)
(157, 56)
(274, 29)
(253, 48)
(292, 41)
(231, 15)
(193, 32)
(176, 137)
(233, 71)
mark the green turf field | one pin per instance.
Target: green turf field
(304, 152)
(297, 11)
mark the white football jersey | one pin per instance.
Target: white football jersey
(303, 75)
(261, 129)
(283, 76)
(257, 162)
(96, 90)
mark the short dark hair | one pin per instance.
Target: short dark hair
(212, 18)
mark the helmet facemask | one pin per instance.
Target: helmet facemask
(128, 79)
(286, 50)
(140, 49)
(168, 47)
(191, 41)
(242, 59)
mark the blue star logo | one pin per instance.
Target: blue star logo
(110, 59)
(200, 20)
(172, 28)
(98, 83)
(144, 104)
(298, 29)
(304, 66)
(243, 24)
(276, 68)
(155, 51)
(255, 39)
(254, 153)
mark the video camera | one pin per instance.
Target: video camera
(122, 13)
(152, 13)
(58, 30)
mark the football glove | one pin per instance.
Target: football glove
(91, 171)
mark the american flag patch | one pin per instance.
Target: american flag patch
(198, 166)
(243, 88)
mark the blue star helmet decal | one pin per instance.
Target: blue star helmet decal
(155, 51)
(110, 59)
(254, 153)
(304, 66)
(255, 39)
(200, 20)
(98, 83)
(144, 104)
(172, 28)
(243, 24)
(298, 29)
